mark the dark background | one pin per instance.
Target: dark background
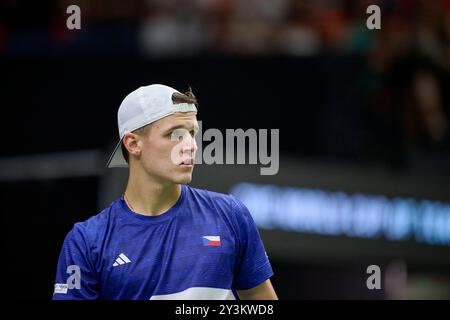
(350, 100)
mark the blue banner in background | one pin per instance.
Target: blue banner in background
(339, 213)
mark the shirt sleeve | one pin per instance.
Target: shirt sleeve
(253, 266)
(75, 276)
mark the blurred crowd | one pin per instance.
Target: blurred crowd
(247, 27)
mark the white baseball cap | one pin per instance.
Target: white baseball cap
(142, 107)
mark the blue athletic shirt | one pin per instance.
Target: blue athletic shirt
(206, 246)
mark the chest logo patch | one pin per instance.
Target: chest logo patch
(211, 241)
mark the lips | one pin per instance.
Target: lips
(189, 161)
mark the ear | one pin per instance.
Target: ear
(132, 142)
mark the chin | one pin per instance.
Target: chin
(183, 179)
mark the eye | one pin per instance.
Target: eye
(177, 134)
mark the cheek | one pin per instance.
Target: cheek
(157, 152)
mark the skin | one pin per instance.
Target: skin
(155, 176)
(263, 291)
(154, 183)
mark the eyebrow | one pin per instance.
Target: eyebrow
(180, 126)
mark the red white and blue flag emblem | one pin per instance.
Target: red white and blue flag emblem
(211, 241)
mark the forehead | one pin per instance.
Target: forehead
(187, 119)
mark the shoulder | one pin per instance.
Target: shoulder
(93, 228)
(224, 203)
(207, 195)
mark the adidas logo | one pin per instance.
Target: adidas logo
(121, 259)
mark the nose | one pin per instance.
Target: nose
(189, 144)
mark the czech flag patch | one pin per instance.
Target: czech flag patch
(211, 241)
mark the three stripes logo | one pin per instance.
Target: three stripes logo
(121, 259)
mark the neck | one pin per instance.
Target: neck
(147, 196)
